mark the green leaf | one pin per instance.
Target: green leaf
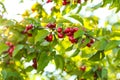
(69, 48)
(11, 75)
(3, 47)
(104, 74)
(29, 69)
(112, 44)
(97, 56)
(43, 61)
(79, 33)
(105, 2)
(116, 26)
(41, 35)
(84, 43)
(77, 17)
(17, 49)
(63, 20)
(100, 45)
(75, 53)
(59, 61)
(79, 8)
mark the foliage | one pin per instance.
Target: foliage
(77, 47)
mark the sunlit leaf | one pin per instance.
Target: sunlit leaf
(41, 35)
(112, 44)
(79, 33)
(43, 61)
(77, 17)
(75, 53)
(97, 56)
(17, 49)
(59, 61)
(3, 47)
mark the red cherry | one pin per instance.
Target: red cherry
(89, 45)
(49, 38)
(91, 41)
(83, 68)
(29, 27)
(34, 60)
(60, 35)
(75, 29)
(69, 34)
(67, 30)
(72, 39)
(35, 66)
(65, 2)
(9, 44)
(51, 25)
(10, 50)
(59, 30)
(79, 1)
(48, 1)
(71, 30)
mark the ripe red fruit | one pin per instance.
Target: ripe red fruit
(51, 25)
(65, 2)
(78, 1)
(49, 38)
(9, 44)
(10, 50)
(67, 30)
(75, 29)
(83, 68)
(34, 63)
(72, 39)
(59, 30)
(48, 1)
(89, 45)
(35, 66)
(69, 34)
(34, 60)
(71, 30)
(91, 41)
(60, 35)
(29, 27)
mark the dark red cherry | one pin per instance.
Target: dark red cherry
(89, 45)
(49, 38)
(83, 68)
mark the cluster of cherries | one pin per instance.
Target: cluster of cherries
(69, 31)
(65, 2)
(61, 33)
(28, 28)
(11, 48)
(34, 65)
